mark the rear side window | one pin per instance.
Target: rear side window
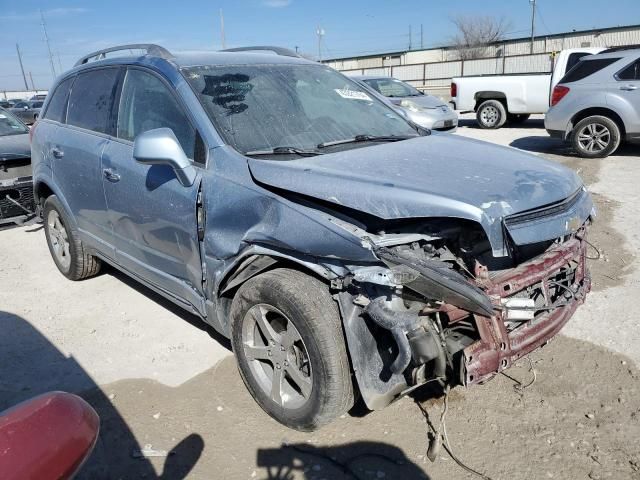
(56, 110)
(145, 104)
(632, 72)
(91, 99)
(574, 58)
(585, 68)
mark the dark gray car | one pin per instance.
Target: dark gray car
(28, 112)
(16, 187)
(339, 247)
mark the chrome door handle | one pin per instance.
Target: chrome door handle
(57, 153)
(111, 175)
(629, 87)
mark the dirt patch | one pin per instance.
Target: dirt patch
(580, 418)
(611, 260)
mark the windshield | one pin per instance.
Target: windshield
(390, 87)
(10, 125)
(262, 107)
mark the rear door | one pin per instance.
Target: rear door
(153, 216)
(628, 86)
(76, 154)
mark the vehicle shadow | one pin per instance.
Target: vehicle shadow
(348, 461)
(542, 144)
(555, 146)
(531, 123)
(31, 365)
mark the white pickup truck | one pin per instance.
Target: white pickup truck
(498, 99)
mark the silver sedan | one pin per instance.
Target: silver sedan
(422, 109)
(28, 112)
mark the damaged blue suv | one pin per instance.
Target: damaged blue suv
(341, 248)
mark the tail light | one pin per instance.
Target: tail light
(454, 90)
(31, 130)
(558, 94)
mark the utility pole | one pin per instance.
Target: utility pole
(409, 37)
(59, 62)
(533, 22)
(421, 38)
(33, 85)
(320, 33)
(21, 67)
(222, 42)
(46, 38)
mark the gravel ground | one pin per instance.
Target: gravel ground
(162, 381)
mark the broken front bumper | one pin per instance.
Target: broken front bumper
(16, 200)
(499, 346)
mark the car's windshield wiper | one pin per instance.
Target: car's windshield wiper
(304, 152)
(367, 138)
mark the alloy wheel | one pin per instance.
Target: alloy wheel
(59, 239)
(490, 115)
(277, 356)
(594, 137)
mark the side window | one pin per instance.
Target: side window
(632, 72)
(145, 104)
(585, 68)
(574, 58)
(20, 105)
(91, 99)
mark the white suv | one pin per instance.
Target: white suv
(597, 104)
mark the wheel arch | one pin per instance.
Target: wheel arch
(602, 111)
(254, 264)
(485, 95)
(251, 265)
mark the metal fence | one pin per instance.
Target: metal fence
(438, 75)
(20, 94)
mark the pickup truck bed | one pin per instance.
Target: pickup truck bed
(498, 99)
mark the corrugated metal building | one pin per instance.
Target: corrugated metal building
(433, 68)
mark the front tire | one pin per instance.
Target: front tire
(595, 137)
(287, 336)
(65, 246)
(491, 114)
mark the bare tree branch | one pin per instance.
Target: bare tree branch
(475, 34)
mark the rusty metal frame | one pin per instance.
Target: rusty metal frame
(498, 349)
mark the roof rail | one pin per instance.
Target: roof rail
(277, 50)
(150, 48)
(620, 48)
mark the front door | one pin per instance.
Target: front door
(152, 215)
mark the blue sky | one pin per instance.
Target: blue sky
(351, 27)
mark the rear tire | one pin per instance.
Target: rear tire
(595, 137)
(491, 114)
(65, 246)
(287, 336)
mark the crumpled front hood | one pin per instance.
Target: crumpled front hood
(424, 101)
(424, 177)
(433, 176)
(12, 146)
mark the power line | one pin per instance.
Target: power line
(21, 67)
(46, 38)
